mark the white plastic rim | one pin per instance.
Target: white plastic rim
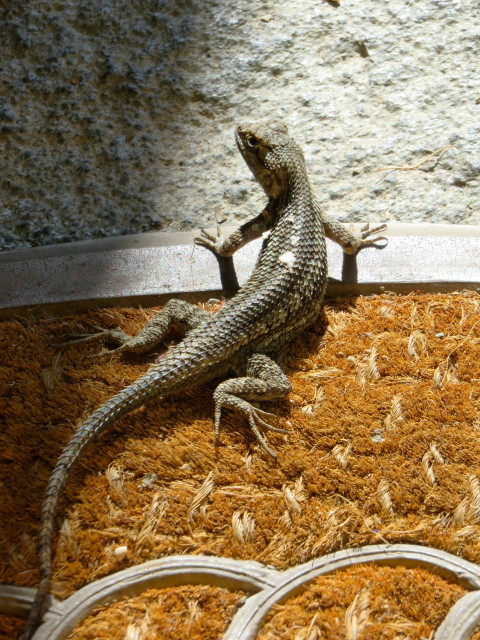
(171, 571)
(15, 601)
(462, 620)
(126, 270)
(249, 619)
(268, 586)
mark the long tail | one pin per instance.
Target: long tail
(161, 379)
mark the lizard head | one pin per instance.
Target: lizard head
(271, 154)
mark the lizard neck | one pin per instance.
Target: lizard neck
(295, 188)
(296, 199)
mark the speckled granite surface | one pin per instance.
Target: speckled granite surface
(116, 117)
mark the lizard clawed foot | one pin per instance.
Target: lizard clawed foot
(267, 425)
(210, 242)
(378, 241)
(357, 241)
(252, 414)
(115, 335)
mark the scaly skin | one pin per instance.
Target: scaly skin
(281, 298)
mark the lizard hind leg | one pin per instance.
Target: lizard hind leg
(264, 380)
(183, 315)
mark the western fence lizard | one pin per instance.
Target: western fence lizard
(247, 335)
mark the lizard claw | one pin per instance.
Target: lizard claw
(116, 335)
(378, 241)
(361, 240)
(260, 414)
(105, 352)
(210, 242)
(255, 421)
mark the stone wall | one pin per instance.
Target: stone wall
(116, 116)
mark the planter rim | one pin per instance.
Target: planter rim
(266, 585)
(150, 268)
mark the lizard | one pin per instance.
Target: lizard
(246, 337)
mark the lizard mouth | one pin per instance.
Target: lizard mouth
(240, 139)
(250, 150)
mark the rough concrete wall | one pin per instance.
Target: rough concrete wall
(116, 116)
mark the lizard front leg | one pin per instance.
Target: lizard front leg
(247, 232)
(353, 242)
(264, 380)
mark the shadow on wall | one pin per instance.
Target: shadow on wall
(88, 89)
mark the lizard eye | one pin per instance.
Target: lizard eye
(252, 141)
